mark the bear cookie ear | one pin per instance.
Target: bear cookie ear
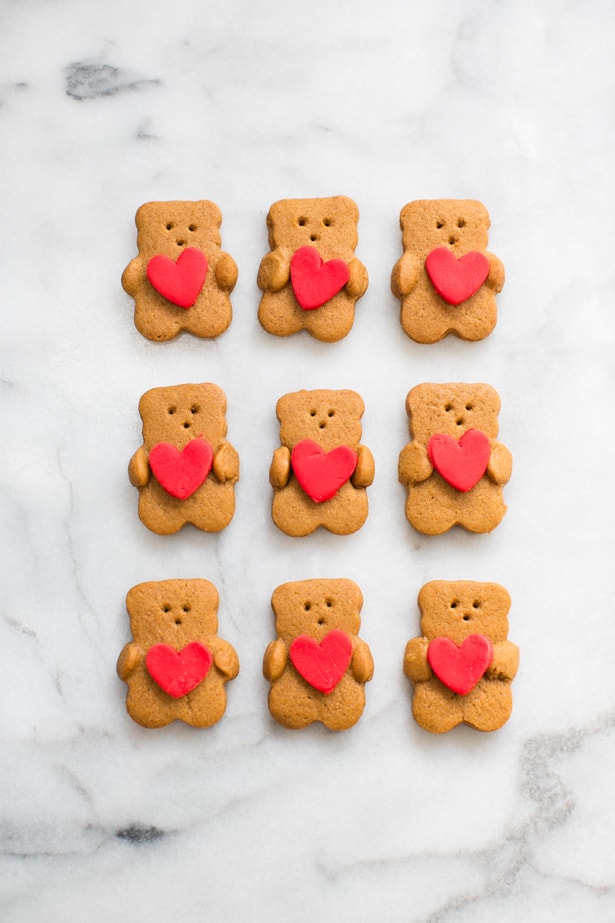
(446, 280)
(176, 666)
(180, 280)
(463, 665)
(311, 278)
(317, 667)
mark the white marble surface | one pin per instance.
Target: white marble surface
(105, 106)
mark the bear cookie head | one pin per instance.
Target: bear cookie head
(461, 225)
(175, 612)
(180, 413)
(317, 607)
(329, 418)
(329, 224)
(452, 409)
(170, 227)
(458, 609)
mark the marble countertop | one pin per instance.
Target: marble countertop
(106, 106)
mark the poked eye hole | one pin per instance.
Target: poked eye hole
(440, 223)
(461, 222)
(302, 221)
(327, 222)
(169, 225)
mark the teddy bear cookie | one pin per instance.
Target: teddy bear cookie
(317, 665)
(321, 471)
(185, 470)
(446, 280)
(181, 279)
(454, 469)
(463, 665)
(311, 278)
(176, 666)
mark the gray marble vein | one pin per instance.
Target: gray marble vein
(106, 106)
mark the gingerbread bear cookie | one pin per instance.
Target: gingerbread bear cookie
(185, 470)
(463, 665)
(181, 279)
(454, 469)
(446, 280)
(176, 666)
(311, 278)
(317, 666)
(321, 471)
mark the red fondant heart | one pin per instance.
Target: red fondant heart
(180, 282)
(461, 463)
(320, 473)
(181, 473)
(322, 665)
(460, 668)
(313, 281)
(456, 280)
(178, 672)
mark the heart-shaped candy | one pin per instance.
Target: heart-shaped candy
(179, 282)
(322, 665)
(313, 281)
(456, 280)
(178, 672)
(320, 473)
(461, 463)
(460, 668)
(181, 473)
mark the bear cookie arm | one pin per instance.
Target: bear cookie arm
(462, 666)
(176, 667)
(311, 278)
(317, 666)
(181, 280)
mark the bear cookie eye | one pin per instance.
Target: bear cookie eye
(439, 224)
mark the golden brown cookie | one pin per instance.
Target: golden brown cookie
(181, 279)
(317, 666)
(321, 471)
(454, 469)
(176, 666)
(185, 470)
(446, 280)
(311, 278)
(463, 665)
